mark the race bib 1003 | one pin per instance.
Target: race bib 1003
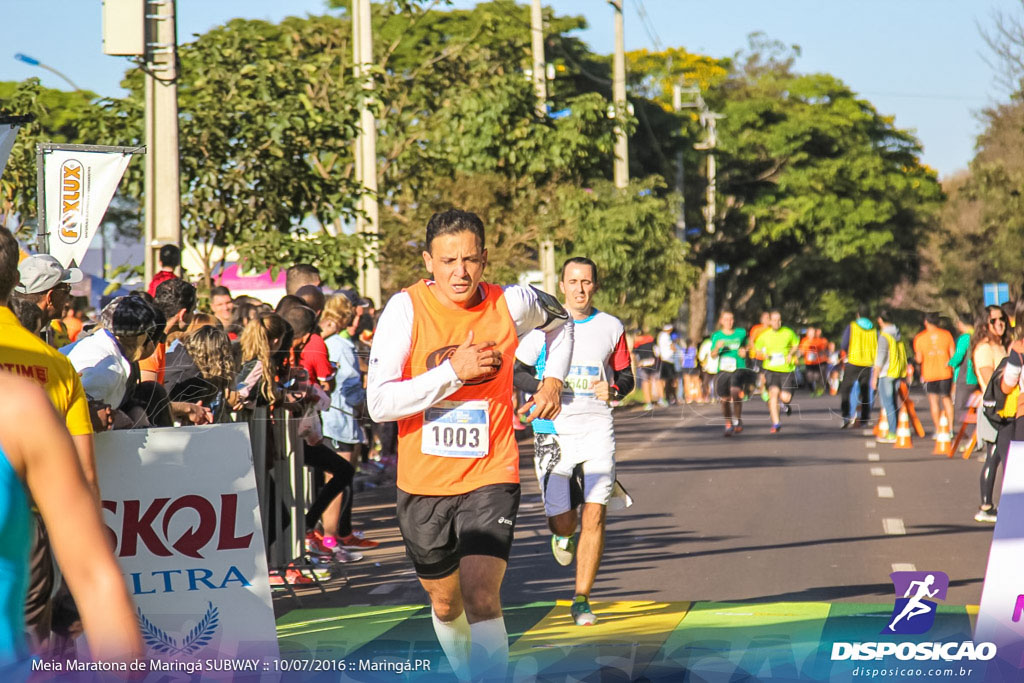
(456, 429)
(580, 380)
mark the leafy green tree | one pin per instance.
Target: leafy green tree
(820, 193)
(268, 116)
(58, 116)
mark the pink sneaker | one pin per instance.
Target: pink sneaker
(355, 541)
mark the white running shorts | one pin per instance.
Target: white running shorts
(556, 456)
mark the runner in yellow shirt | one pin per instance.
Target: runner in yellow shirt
(778, 346)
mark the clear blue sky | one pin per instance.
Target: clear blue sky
(919, 60)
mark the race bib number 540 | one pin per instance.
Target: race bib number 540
(456, 429)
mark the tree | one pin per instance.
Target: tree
(58, 117)
(820, 192)
(268, 116)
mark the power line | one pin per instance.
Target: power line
(648, 24)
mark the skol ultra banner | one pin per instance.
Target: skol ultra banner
(182, 515)
(78, 187)
(8, 134)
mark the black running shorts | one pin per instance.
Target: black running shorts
(782, 380)
(743, 379)
(942, 387)
(440, 530)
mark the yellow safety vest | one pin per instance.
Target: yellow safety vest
(897, 357)
(863, 346)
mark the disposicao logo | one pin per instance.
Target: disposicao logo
(914, 613)
(70, 201)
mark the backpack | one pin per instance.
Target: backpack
(999, 408)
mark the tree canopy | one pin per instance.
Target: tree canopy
(822, 201)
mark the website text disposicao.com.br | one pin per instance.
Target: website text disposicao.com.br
(913, 673)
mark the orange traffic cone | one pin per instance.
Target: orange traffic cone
(943, 439)
(882, 426)
(903, 439)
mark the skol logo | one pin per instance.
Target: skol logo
(150, 523)
(71, 217)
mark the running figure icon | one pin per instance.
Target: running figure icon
(916, 605)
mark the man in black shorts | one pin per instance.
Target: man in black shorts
(441, 364)
(734, 380)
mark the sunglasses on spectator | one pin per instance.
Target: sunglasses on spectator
(997, 320)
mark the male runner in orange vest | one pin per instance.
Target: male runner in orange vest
(441, 365)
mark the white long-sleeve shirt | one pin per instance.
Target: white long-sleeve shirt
(389, 397)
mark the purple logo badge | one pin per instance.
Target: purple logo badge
(913, 612)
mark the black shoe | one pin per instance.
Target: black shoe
(847, 423)
(789, 410)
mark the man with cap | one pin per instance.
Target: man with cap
(130, 328)
(44, 282)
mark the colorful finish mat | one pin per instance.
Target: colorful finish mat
(638, 641)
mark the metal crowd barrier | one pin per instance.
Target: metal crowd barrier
(285, 487)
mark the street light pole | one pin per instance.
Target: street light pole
(32, 61)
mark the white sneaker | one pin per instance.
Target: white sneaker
(345, 556)
(985, 515)
(564, 549)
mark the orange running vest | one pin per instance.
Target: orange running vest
(436, 332)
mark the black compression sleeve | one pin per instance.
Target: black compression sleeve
(623, 383)
(524, 377)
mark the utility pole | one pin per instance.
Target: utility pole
(162, 185)
(621, 172)
(709, 119)
(677, 105)
(368, 222)
(546, 253)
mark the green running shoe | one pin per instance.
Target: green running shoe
(581, 613)
(564, 549)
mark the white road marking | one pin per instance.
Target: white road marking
(885, 492)
(877, 471)
(893, 526)
(870, 444)
(867, 432)
(903, 567)
(874, 457)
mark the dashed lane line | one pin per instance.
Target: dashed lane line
(893, 526)
(903, 567)
(877, 471)
(885, 492)
(874, 457)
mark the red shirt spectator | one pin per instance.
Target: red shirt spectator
(314, 358)
(162, 276)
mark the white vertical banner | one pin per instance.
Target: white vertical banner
(182, 514)
(1001, 614)
(78, 186)
(8, 134)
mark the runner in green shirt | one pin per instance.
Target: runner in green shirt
(778, 346)
(728, 347)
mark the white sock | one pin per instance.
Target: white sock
(454, 637)
(489, 653)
